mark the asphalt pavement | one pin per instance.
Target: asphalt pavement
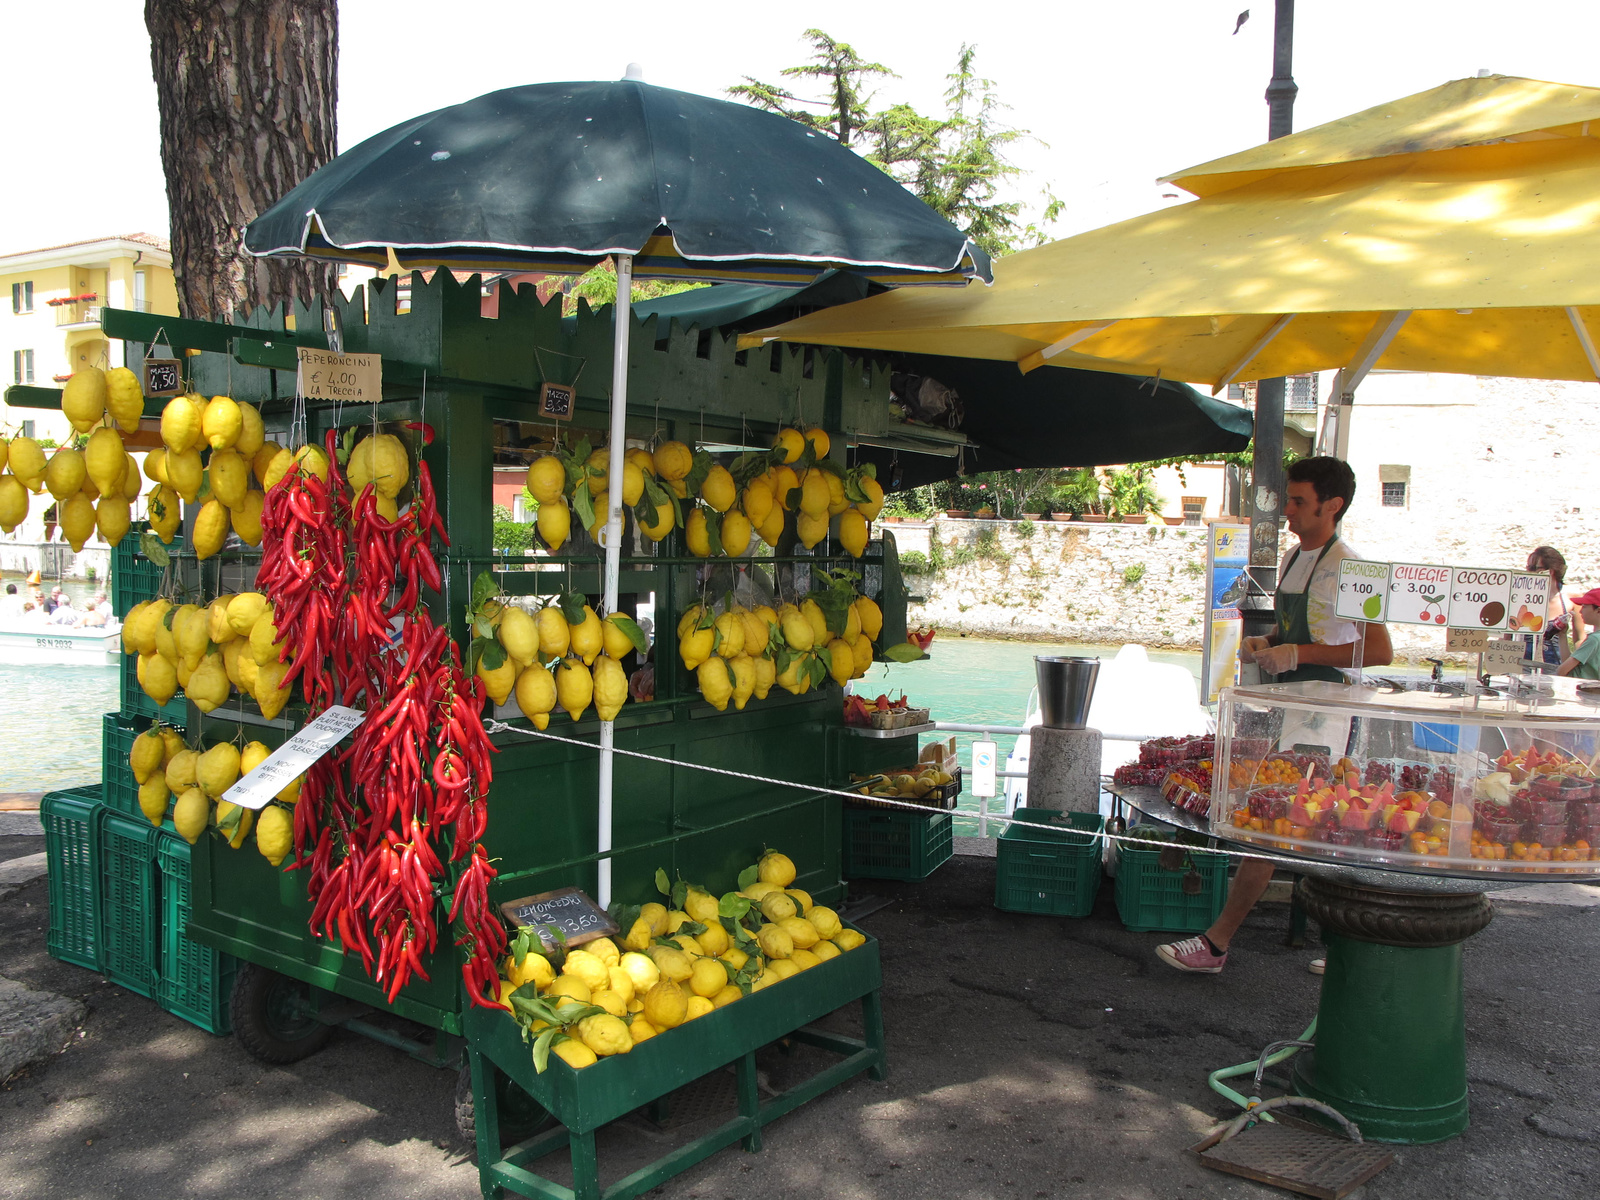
(1029, 1057)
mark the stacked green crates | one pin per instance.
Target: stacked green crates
(1049, 862)
(129, 901)
(892, 843)
(195, 980)
(1150, 897)
(72, 856)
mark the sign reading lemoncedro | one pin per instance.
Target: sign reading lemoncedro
(1363, 590)
(1478, 597)
(292, 758)
(351, 378)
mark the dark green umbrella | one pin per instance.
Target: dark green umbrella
(559, 176)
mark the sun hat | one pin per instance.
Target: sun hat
(1592, 596)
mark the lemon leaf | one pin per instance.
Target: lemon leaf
(541, 1048)
(702, 464)
(732, 905)
(663, 883)
(680, 893)
(692, 928)
(870, 470)
(714, 533)
(150, 546)
(583, 506)
(493, 654)
(483, 590)
(748, 876)
(905, 652)
(572, 607)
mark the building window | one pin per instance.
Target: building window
(27, 429)
(22, 297)
(1394, 495)
(139, 304)
(1236, 391)
(22, 366)
(1300, 393)
(1194, 510)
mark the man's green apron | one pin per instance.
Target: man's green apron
(1294, 626)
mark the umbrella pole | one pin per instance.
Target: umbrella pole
(613, 543)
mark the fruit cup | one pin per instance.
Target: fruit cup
(1502, 830)
(1545, 835)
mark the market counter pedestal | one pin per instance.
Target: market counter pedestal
(1391, 1052)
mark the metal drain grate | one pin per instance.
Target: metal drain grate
(1299, 1156)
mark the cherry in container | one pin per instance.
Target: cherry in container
(1545, 835)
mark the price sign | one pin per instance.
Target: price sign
(571, 911)
(1466, 641)
(1504, 658)
(1363, 590)
(1478, 597)
(556, 400)
(351, 378)
(1419, 594)
(292, 758)
(162, 377)
(983, 768)
(1529, 603)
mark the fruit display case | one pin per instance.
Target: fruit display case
(1502, 782)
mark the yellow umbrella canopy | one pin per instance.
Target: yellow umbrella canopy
(1449, 231)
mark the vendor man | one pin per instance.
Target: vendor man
(1310, 642)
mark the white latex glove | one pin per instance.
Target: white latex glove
(1252, 647)
(1276, 660)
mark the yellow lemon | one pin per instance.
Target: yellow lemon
(606, 1033)
(708, 977)
(716, 684)
(252, 433)
(774, 941)
(270, 693)
(804, 959)
(696, 536)
(112, 516)
(261, 460)
(814, 495)
(207, 685)
(757, 501)
(641, 1030)
(848, 939)
(776, 869)
(572, 986)
(587, 968)
(66, 472)
(153, 798)
(641, 968)
(826, 950)
(665, 1005)
(791, 441)
(783, 968)
(587, 638)
(554, 523)
(498, 681)
(536, 695)
(818, 437)
(191, 814)
(698, 1006)
(673, 963)
(230, 817)
(13, 502)
(155, 465)
(229, 472)
(246, 518)
(656, 914)
(841, 661)
(871, 616)
(210, 529)
(221, 422)
(854, 532)
(83, 400)
(535, 969)
(124, 397)
(772, 528)
(244, 610)
(673, 460)
(251, 756)
(76, 517)
(701, 906)
(165, 514)
(157, 677)
(661, 526)
(147, 755)
(313, 461)
(277, 467)
(798, 632)
(784, 483)
(776, 905)
(825, 920)
(184, 472)
(575, 1054)
(621, 982)
(105, 460)
(574, 687)
(873, 491)
(547, 478)
(735, 957)
(736, 534)
(714, 941)
(766, 674)
(519, 634)
(694, 648)
(610, 687)
(837, 502)
(217, 769)
(131, 483)
(801, 932)
(180, 424)
(811, 529)
(727, 996)
(718, 489)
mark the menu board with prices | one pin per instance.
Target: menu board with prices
(1478, 597)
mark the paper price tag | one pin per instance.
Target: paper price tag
(293, 757)
(1504, 658)
(983, 768)
(1466, 641)
(1529, 602)
(352, 378)
(1478, 597)
(1363, 590)
(1418, 594)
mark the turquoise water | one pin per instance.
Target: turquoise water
(969, 681)
(51, 718)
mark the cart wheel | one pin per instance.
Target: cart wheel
(272, 1016)
(521, 1116)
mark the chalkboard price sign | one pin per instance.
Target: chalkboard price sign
(162, 377)
(570, 910)
(555, 400)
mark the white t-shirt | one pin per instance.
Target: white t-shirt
(1326, 628)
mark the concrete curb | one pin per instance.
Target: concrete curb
(33, 1025)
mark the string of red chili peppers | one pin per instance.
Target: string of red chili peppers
(418, 765)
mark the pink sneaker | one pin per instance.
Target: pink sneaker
(1192, 954)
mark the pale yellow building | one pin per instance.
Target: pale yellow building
(53, 324)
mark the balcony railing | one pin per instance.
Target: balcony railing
(77, 311)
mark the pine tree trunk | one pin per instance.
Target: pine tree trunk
(247, 92)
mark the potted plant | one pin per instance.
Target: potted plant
(959, 514)
(1028, 516)
(985, 514)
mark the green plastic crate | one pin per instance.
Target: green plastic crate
(893, 844)
(72, 854)
(1150, 898)
(1048, 862)
(134, 702)
(130, 909)
(133, 576)
(118, 788)
(194, 980)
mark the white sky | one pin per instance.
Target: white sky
(1122, 91)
